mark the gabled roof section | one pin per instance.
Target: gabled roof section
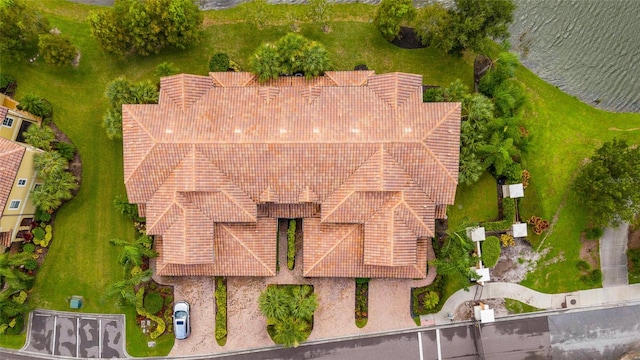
(349, 78)
(10, 158)
(184, 90)
(396, 88)
(231, 79)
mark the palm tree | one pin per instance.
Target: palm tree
(498, 154)
(265, 63)
(291, 52)
(112, 122)
(166, 69)
(315, 60)
(454, 257)
(39, 137)
(56, 188)
(118, 92)
(49, 163)
(35, 105)
(125, 288)
(133, 253)
(9, 308)
(144, 92)
(273, 303)
(11, 276)
(290, 331)
(303, 302)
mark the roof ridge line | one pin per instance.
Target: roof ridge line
(162, 215)
(438, 123)
(353, 228)
(439, 163)
(351, 192)
(415, 215)
(153, 140)
(245, 247)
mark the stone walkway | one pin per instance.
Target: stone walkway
(613, 256)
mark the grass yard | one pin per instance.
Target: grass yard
(81, 262)
(518, 307)
(475, 203)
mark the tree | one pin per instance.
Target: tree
(391, 15)
(124, 289)
(11, 276)
(315, 60)
(475, 21)
(265, 62)
(120, 91)
(503, 67)
(257, 13)
(36, 105)
(303, 302)
(432, 26)
(40, 137)
(290, 332)
(430, 300)
(289, 310)
(57, 49)
(273, 303)
(146, 27)
(291, 52)
(20, 25)
(219, 62)
(56, 188)
(128, 210)
(607, 186)
(49, 164)
(320, 13)
(454, 257)
(166, 69)
(134, 253)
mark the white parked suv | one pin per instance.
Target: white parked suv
(181, 321)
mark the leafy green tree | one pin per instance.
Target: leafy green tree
(54, 191)
(273, 303)
(257, 13)
(430, 300)
(303, 302)
(315, 60)
(265, 62)
(454, 257)
(112, 123)
(41, 137)
(133, 253)
(433, 24)
(128, 210)
(11, 276)
(391, 14)
(57, 49)
(291, 52)
(498, 154)
(20, 25)
(608, 184)
(121, 91)
(219, 62)
(148, 26)
(36, 105)
(124, 289)
(320, 12)
(501, 68)
(509, 98)
(290, 332)
(10, 308)
(475, 21)
(289, 310)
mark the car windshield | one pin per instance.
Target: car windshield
(180, 314)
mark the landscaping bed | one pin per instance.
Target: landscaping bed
(362, 302)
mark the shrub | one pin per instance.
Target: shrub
(391, 14)
(593, 233)
(221, 309)
(166, 69)
(291, 244)
(29, 248)
(42, 216)
(593, 278)
(66, 150)
(30, 264)
(140, 310)
(490, 251)
(57, 49)
(583, 265)
(38, 233)
(168, 300)
(47, 239)
(507, 240)
(20, 298)
(430, 300)
(36, 105)
(6, 80)
(526, 176)
(153, 302)
(219, 62)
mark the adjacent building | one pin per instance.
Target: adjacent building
(359, 157)
(17, 174)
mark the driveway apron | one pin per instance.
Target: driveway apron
(613, 256)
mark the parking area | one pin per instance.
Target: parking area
(76, 334)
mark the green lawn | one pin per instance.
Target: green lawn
(475, 203)
(564, 131)
(518, 307)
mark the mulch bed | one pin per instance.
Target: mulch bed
(407, 39)
(75, 166)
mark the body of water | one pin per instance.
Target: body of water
(588, 48)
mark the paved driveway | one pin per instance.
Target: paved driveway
(613, 256)
(76, 334)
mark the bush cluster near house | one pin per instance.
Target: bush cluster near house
(121, 91)
(289, 310)
(219, 62)
(221, 311)
(146, 27)
(423, 300)
(362, 302)
(292, 54)
(20, 27)
(291, 244)
(57, 49)
(391, 15)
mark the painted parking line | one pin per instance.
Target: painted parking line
(76, 335)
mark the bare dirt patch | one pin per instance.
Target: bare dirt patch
(515, 262)
(465, 310)
(634, 238)
(590, 251)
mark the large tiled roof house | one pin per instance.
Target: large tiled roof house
(358, 156)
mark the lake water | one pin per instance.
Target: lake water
(588, 48)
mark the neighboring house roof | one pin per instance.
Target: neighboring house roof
(229, 151)
(3, 112)
(10, 158)
(5, 238)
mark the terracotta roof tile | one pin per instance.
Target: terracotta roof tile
(3, 112)
(5, 238)
(224, 149)
(10, 158)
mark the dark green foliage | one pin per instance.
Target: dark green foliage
(58, 183)
(430, 94)
(57, 49)
(153, 302)
(454, 257)
(28, 248)
(146, 27)
(593, 233)
(133, 253)
(503, 67)
(11, 276)
(36, 105)
(391, 15)
(583, 265)
(30, 264)
(219, 62)
(39, 137)
(38, 233)
(418, 295)
(509, 98)
(265, 62)
(6, 80)
(320, 13)
(20, 25)
(291, 244)
(491, 251)
(42, 215)
(221, 309)
(593, 278)
(289, 310)
(66, 150)
(433, 24)
(608, 185)
(509, 216)
(128, 210)
(257, 13)
(430, 300)
(633, 255)
(166, 69)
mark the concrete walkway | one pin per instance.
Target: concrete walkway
(613, 256)
(585, 298)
